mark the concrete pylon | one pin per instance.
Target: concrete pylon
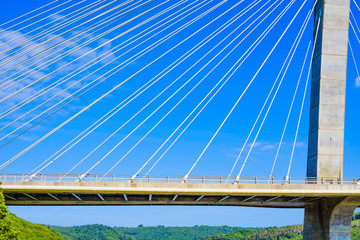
(328, 218)
(327, 108)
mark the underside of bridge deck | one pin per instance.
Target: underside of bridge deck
(48, 199)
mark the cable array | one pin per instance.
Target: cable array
(131, 69)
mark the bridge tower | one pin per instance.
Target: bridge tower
(328, 218)
(327, 114)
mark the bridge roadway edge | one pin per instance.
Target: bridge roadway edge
(208, 194)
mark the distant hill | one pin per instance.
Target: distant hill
(31, 231)
(274, 233)
(92, 232)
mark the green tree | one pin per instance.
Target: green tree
(6, 232)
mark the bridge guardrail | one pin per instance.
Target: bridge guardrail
(174, 179)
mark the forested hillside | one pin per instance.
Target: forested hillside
(92, 232)
(288, 232)
(274, 233)
(12, 227)
(29, 231)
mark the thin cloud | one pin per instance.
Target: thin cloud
(35, 65)
(268, 147)
(357, 82)
(36, 62)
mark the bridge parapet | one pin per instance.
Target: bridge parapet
(175, 179)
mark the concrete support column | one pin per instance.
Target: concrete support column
(329, 219)
(327, 110)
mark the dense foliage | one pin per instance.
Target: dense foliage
(355, 227)
(6, 230)
(174, 233)
(90, 232)
(12, 227)
(17, 228)
(31, 231)
(189, 233)
(273, 233)
(282, 233)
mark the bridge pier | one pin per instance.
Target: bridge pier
(329, 218)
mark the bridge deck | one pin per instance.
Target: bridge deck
(172, 193)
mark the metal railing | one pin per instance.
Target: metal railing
(173, 179)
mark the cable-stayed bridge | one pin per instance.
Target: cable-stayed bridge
(174, 92)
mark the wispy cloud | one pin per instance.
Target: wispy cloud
(268, 147)
(357, 82)
(38, 71)
(298, 144)
(255, 145)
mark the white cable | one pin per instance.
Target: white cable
(354, 32)
(286, 63)
(154, 98)
(101, 45)
(114, 111)
(70, 51)
(99, 99)
(24, 16)
(197, 47)
(134, 176)
(357, 26)
(353, 57)
(67, 31)
(238, 176)
(248, 54)
(208, 73)
(80, 11)
(290, 110)
(291, 106)
(50, 32)
(141, 34)
(22, 35)
(49, 40)
(83, 175)
(352, 53)
(97, 81)
(72, 74)
(303, 100)
(33, 17)
(356, 5)
(232, 109)
(273, 98)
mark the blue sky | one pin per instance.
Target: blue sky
(222, 152)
